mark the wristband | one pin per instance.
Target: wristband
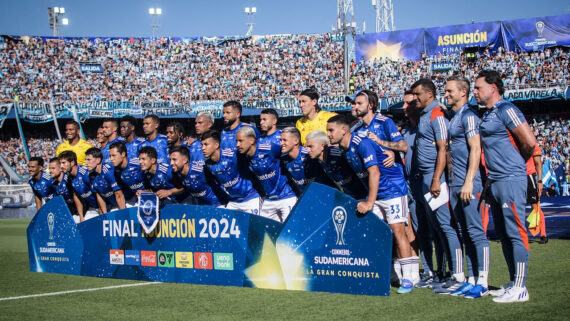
(540, 181)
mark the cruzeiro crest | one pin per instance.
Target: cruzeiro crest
(339, 217)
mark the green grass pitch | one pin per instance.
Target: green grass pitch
(548, 286)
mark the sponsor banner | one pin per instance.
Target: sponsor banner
(453, 39)
(323, 246)
(91, 68)
(537, 33)
(55, 245)
(394, 45)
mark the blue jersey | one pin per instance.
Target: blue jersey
(195, 182)
(65, 189)
(128, 180)
(160, 144)
(431, 128)
(105, 150)
(266, 166)
(338, 170)
(43, 187)
(409, 134)
(163, 179)
(502, 157)
(363, 153)
(382, 126)
(228, 137)
(463, 125)
(302, 170)
(227, 175)
(82, 186)
(273, 139)
(134, 147)
(100, 185)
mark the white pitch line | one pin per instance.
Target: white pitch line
(75, 291)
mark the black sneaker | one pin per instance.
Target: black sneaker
(543, 240)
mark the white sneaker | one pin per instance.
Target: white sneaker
(501, 290)
(514, 294)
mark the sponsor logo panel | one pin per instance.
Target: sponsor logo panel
(117, 257)
(224, 261)
(148, 258)
(203, 260)
(165, 259)
(184, 260)
(132, 257)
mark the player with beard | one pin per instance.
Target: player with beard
(159, 178)
(268, 125)
(193, 177)
(110, 131)
(125, 176)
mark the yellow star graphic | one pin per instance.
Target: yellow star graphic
(384, 50)
(279, 268)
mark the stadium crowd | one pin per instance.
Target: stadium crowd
(520, 70)
(142, 70)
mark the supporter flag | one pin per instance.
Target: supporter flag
(147, 212)
(548, 175)
(559, 173)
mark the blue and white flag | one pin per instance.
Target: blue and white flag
(147, 212)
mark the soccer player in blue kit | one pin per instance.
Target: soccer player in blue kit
(174, 135)
(158, 141)
(508, 143)
(466, 187)
(223, 166)
(110, 129)
(302, 169)
(81, 183)
(159, 179)
(430, 155)
(387, 189)
(264, 163)
(127, 131)
(103, 190)
(40, 181)
(268, 125)
(383, 131)
(193, 177)
(334, 164)
(125, 177)
(63, 187)
(232, 113)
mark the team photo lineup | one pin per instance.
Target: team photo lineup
(466, 157)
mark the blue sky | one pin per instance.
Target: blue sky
(226, 17)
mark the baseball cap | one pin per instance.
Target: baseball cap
(351, 98)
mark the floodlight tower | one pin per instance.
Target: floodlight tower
(250, 12)
(384, 15)
(155, 13)
(347, 27)
(54, 18)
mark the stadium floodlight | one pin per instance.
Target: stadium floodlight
(55, 20)
(250, 12)
(154, 12)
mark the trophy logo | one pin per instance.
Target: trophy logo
(339, 217)
(540, 28)
(51, 222)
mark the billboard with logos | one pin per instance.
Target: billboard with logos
(323, 246)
